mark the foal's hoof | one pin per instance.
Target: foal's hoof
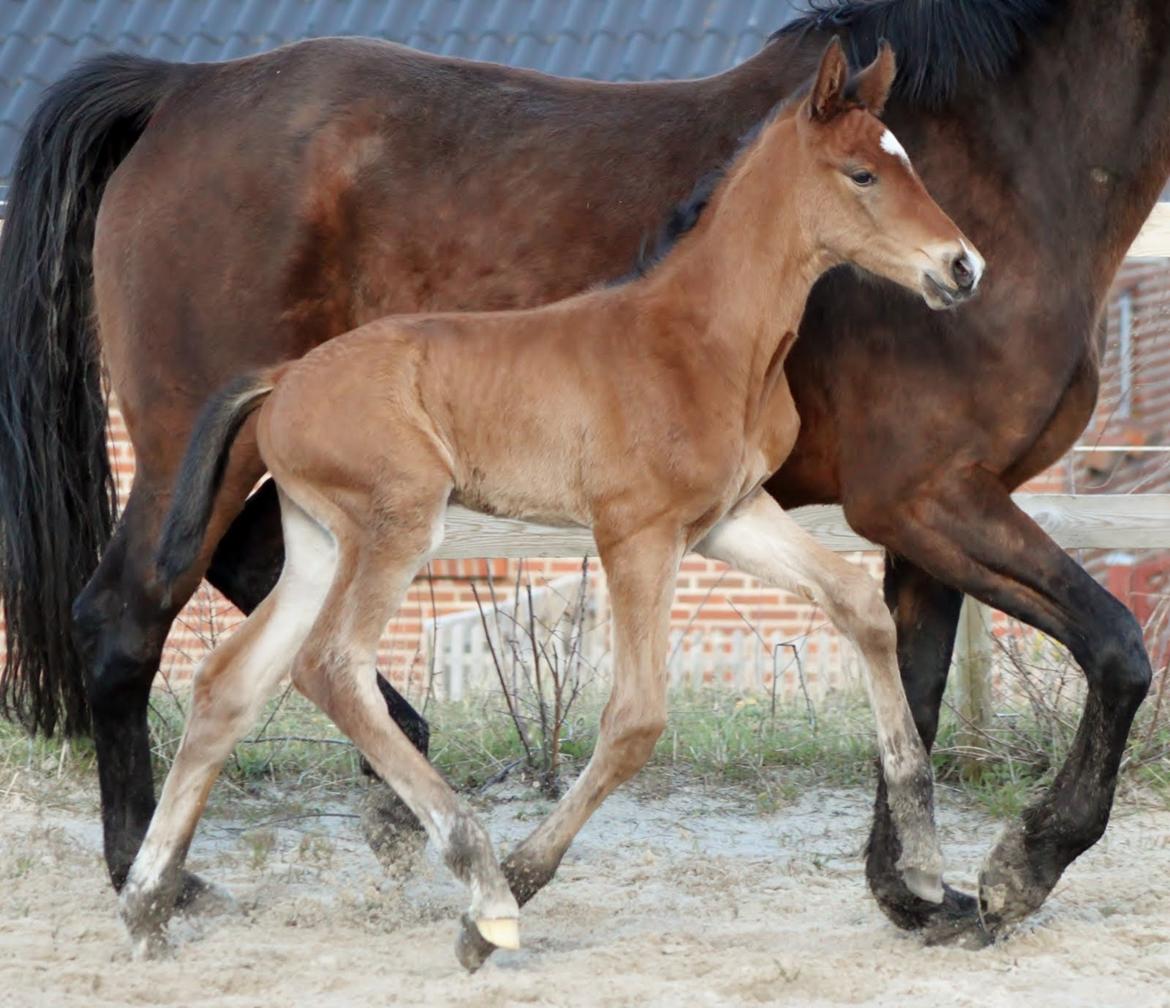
(149, 947)
(1010, 887)
(502, 932)
(146, 923)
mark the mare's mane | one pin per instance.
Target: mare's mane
(945, 47)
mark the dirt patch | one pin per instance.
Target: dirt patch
(689, 898)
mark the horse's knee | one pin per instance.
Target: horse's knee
(1117, 663)
(122, 646)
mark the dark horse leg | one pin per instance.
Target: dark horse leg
(926, 614)
(121, 626)
(968, 532)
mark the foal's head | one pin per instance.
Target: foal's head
(861, 201)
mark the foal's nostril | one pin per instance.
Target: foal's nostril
(963, 272)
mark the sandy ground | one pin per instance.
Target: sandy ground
(684, 898)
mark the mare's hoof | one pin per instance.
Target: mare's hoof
(1010, 888)
(392, 831)
(955, 922)
(926, 885)
(199, 898)
(952, 921)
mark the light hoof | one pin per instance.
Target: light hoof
(502, 932)
(926, 885)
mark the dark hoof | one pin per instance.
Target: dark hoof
(1010, 886)
(471, 948)
(952, 921)
(393, 832)
(956, 922)
(198, 898)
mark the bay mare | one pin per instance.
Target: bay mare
(213, 219)
(650, 412)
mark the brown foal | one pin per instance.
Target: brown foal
(650, 412)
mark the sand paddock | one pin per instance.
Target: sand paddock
(674, 894)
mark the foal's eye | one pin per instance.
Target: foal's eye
(863, 178)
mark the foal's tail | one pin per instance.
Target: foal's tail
(201, 472)
(56, 488)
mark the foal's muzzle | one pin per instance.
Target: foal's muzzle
(957, 282)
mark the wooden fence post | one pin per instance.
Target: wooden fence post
(973, 672)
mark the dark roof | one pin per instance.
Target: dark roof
(602, 39)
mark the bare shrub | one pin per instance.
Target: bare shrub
(541, 667)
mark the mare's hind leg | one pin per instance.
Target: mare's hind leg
(375, 568)
(760, 539)
(229, 691)
(642, 570)
(121, 623)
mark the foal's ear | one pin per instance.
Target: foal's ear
(828, 94)
(875, 81)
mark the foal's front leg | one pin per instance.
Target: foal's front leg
(758, 538)
(642, 569)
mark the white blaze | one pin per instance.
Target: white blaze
(891, 145)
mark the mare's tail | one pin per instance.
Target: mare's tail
(56, 489)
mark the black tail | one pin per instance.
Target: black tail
(202, 470)
(56, 490)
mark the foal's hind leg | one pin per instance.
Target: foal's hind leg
(245, 567)
(229, 690)
(760, 539)
(375, 570)
(641, 570)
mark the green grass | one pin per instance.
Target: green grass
(713, 736)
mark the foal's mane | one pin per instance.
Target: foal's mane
(685, 214)
(943, 46)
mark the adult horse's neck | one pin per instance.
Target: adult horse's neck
(1107, 97)
(1075, 145)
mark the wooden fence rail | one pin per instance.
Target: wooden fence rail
(1096, 521)
(1075, 521)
